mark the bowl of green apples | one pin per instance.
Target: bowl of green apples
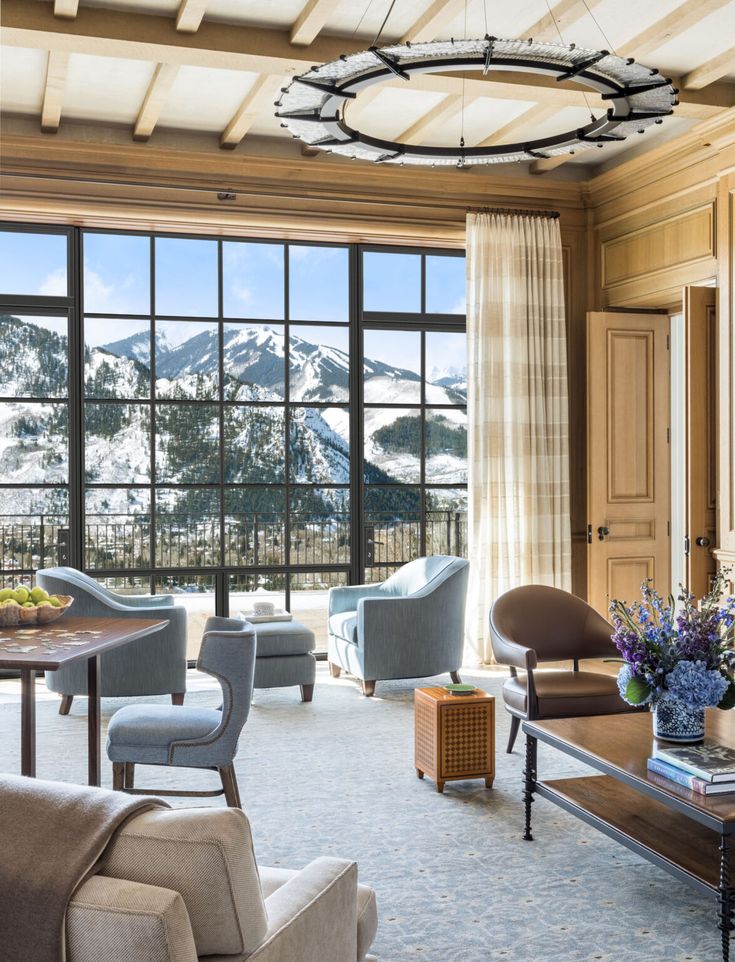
(31, 606)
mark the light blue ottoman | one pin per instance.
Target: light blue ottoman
(285, 656)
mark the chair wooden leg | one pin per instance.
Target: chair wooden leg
(307, 692)
(177, 697)
(515, 723)
(129, 775)
(65, 706)
(334, 670)
(368, 688)
(455, 677)
(118, 776)
(229, 784)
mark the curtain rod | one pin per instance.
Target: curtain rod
(554, 214)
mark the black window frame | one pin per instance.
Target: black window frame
(357, 323)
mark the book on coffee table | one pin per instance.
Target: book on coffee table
(279, 614)
(687, 780)
(709, 760)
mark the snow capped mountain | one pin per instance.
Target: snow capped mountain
(34, 436)
(137, 347)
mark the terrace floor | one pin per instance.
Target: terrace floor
(455, 881)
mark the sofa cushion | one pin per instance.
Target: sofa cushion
(207, 856)
(367, 906)
(114, 920)
(344, 625)
(278, 638)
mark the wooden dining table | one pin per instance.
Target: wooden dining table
(33, 648)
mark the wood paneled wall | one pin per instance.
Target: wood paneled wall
(663, 221)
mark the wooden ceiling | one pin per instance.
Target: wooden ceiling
(213, 68)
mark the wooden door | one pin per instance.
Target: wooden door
(628, 459)
(700, 335)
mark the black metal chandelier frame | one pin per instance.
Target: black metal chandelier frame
(313, 106)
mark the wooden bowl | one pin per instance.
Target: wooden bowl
(11, 615)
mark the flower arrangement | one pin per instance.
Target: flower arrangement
(677, 652)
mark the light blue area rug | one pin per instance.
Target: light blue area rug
(455, 880)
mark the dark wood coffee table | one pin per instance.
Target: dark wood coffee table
(686, 834)
(91, 637)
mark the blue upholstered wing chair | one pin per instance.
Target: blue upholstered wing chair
(184, 737)
(410, 626)
(155, 665)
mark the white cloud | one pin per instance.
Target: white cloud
(54, 284)
(96, 292)
(241, 291)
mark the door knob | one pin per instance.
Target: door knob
(602, 531)
(702, 542)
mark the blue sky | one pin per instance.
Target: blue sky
(117, 280)
(117, 268)
(33, 263)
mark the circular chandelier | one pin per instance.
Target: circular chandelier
(312, 107)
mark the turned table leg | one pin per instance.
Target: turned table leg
(529, 783)
(725, 897)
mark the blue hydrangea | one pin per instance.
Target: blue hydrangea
(693, 683)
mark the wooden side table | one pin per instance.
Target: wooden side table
(455, 736)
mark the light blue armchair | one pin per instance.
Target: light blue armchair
(155, 665)
(410, 626)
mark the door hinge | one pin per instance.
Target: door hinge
(668, 435)
(589, 534)
(668, 342)
(687, 544)
(668, 528)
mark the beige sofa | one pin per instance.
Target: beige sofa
(183, 885)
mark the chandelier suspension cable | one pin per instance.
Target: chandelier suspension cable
(461, 120)
(561, 40)
(597, 24)
(364, 14)
(484, 10)
(382, 26)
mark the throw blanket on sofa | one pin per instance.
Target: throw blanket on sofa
(51, 836)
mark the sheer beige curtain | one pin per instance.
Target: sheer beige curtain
(519, 529)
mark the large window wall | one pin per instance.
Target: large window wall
(224, 418)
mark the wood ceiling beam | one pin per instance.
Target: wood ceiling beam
(434, 21)
(53, 95)
(545, 164)
(259, 98)
(152, 38)
(533, 115)
(449, 107)
(156, 96)
(710, 71)
(686, 15)
(190, 15)
(311, 21)
(66, 8)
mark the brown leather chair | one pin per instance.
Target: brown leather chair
(534, 624)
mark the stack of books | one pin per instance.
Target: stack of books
(707, 768)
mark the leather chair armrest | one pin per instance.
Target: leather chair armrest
(509, 652)
(313, 916)
(117, 920)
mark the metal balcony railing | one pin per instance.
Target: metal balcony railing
(246, 540)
